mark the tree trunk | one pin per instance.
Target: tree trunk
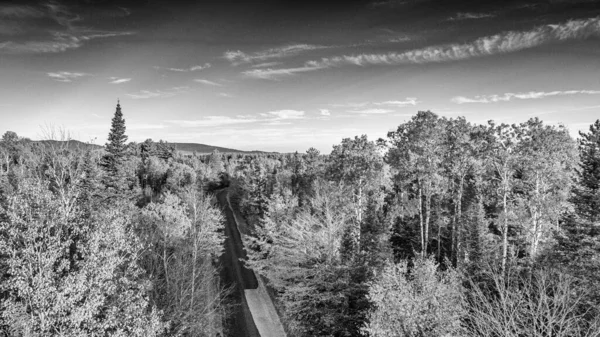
(358, 217)
(457, 234)
(535, 220)
(505, 225)
(427, 215)
(423, 247)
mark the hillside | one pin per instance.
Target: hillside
(182, 147)
(71, 144)
(203, 148)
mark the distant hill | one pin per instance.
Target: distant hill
(187, 148)
(203, 148)
(71, 144)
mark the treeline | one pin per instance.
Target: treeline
(444, 228)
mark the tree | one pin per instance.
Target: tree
(513, 304)
(9, 149)
(417, 150)
(357, 163)
(52, 290)
(300, 255)
(587, 190)
(502, 160)
(182, 239)
(115, 152)
(547, 156)
(460, 158)
(418, 302)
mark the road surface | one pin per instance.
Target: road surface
(254, 314)
(236, 276)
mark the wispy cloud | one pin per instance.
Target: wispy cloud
(144, 94)
(324, 112)
(471, 16)
(376, 107)
(239, 57)
(189, 69)
(213, 121)
(266, 64)
(68, 36)
(20, 11)
(65, 76)
(117, 80)
(276, 74)
(57, 43)
(502, 43)
(371, 111)
(412, 101)
(278, 117)
(284, 114)
(226, 95)
(523, 95)
(207, 82)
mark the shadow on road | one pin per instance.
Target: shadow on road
(235, 276)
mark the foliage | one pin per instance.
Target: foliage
(420, 301)
(70, 276)
(517, 303)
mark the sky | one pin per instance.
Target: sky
(288, 75)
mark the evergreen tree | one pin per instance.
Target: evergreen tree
(112, 161)
(116, 146)
(587, 191)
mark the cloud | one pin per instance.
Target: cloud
(144, 94)
(207, 82)
(506, 42)
(470, 16)
(116, 80)
(275, 74)
(190, 69)
(371, 111)
(325, 112)
(65, 76)
(284, 114)
(238, 57)
(213, 121)
(266, 64)
(276, 122)
(59, 42)
(408, 101)
(226, 95)
(278, 117)
(20, 11)
(65, 34)
(523, 95)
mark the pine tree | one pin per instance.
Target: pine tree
(116, 149)
(116, 146)
(587, 191)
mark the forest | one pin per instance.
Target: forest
(443, 228)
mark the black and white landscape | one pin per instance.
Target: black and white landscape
(415, 168)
